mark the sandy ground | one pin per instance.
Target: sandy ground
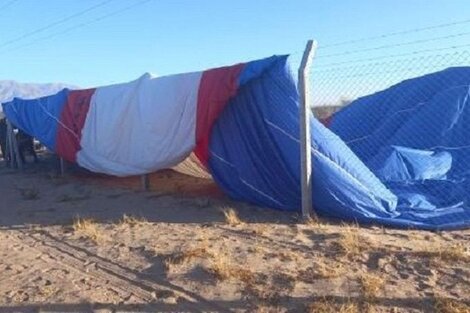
(88, 243)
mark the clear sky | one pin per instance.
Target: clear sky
(171, 36)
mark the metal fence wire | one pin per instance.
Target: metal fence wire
(336, 85)
(439, 168)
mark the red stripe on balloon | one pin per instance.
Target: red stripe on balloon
(216, 88)
(72, 119)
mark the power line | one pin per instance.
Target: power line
(404, 32)
(395, 45)
(67, 30)
(8, 4)
(53, 24)
(328, 65)
(372, 72)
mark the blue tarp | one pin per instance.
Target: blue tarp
(400, 157)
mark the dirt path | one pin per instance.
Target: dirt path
(95, 244)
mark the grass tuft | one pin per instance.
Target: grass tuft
(231, 217)
(223, 269)
(454, 253)
(351, 243)
(289, 256)
(89, 229)
(329, 306)
(314, 222)
(260, 229)
(371, 285)
(29, 193)
(262, 308)
(184, 257)
(130, 220)
(266, 295)
(442, 305)
(321, 270)
(449, 253)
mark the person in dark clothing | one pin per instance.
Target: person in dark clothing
(3, 139)
(25, 144)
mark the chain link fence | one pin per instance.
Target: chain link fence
(337, 85)
(406, 115)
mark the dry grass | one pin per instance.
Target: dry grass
(89, 229)
(450, 306)
(257, 247)
(261, 229)
(371, 285)
(183, 257)
(48, 290)
(328, 306)
(351, 243)
(262, 308)
(218, 264)
(321, 270)
(314, 222)
(231, 217)
(289, 256)
(448, 253)
(29, 193)
(266, 295)
(455, 252)
(130, 220)
(223, 269)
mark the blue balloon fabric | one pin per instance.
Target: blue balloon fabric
(400, 157)
(38, 117)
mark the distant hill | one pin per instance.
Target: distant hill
(10, 89)
(326, 111)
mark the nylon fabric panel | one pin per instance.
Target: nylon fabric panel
(142, 126)
(38, 117)
(255, 155)
(216, 88)
(72, 120)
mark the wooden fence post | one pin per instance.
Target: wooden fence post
(9, 150)
(145, 182)
(13, 147)
(305, 111)
(16, 150)
(62, 166)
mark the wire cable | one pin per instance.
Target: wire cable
(84, 24)
(396, 45)
(404, 32)
(7, 5)
(393, 56)
(53, 24)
